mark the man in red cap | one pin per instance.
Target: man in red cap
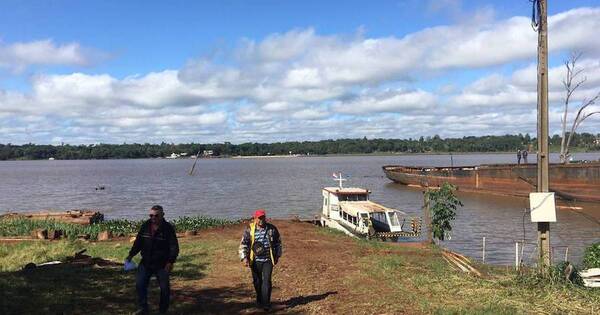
(260, 250)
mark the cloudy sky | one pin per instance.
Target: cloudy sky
(266, 71)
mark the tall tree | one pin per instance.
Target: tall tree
(572, 82)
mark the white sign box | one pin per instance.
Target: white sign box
(543, 208)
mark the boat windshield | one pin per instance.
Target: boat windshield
(353, 197)
(394, 219)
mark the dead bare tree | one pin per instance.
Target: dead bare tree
(571, 83)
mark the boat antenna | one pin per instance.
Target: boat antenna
(338, 177)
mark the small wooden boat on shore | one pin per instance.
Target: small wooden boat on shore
(575, 182)
(350, 211)
(83, 217)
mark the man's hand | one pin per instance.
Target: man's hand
(246, 262)
(169, 267)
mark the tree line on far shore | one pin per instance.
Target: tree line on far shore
(435, 144)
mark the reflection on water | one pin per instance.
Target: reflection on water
(285, 187)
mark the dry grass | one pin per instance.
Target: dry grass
(321, 272)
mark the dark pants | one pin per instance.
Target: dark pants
(141, 284)
(261, 276)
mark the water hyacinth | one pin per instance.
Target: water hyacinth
(183, 224)
(14, 227)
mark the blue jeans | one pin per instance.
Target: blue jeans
(141, 284)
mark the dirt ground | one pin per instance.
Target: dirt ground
(317, 274)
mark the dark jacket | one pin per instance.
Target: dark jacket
(274, 240)
(156, 250)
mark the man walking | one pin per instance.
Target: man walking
(525, 153)
(158, 243)
(260, 250)
(518, 157)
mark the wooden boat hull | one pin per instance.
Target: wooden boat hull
(577, 182)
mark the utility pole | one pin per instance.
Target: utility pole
(542, 126)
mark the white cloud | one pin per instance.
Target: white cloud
(17, 56)
(387, 101)
(310, 114)
(303, 85)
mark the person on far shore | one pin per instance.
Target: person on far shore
(260, 249)
(525, 156)
(158, 243)
(518, 157)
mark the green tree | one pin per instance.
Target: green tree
(442, 204)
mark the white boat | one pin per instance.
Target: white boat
(350, 211)
(173, 156)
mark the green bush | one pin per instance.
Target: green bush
(183, 224)
(442, 206)
(25, 226)
(591, 256)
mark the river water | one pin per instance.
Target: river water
(233, 188)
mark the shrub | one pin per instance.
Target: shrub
(591, 256)
(25, 227)
(442, 206)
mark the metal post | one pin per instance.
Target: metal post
(427, 214)
(517, 256)
(483, 253)
(542, 132)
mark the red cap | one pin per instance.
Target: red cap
(259, 213)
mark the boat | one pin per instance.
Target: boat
(573, 182)
(349, 210)
(173, 156)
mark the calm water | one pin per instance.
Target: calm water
(232, 188)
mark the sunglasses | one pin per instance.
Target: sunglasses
(153, 215)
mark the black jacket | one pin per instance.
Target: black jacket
(274, 239)
(156, 250)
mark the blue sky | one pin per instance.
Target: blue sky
(152, 71)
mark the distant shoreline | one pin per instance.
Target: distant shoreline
(304, 156)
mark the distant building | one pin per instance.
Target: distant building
(207, 152)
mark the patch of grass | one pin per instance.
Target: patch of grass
(197, 223)
(68, 289)
(331, 232)
(15, 256)
(426, 282)
(25, 226)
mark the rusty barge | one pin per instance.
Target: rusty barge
(574, 182)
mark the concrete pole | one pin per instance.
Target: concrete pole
(542, 133)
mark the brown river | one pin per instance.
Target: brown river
(285, 187)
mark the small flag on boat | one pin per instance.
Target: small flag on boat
(335, 175)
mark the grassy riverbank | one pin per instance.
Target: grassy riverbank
(16, 227)
(321, 272)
